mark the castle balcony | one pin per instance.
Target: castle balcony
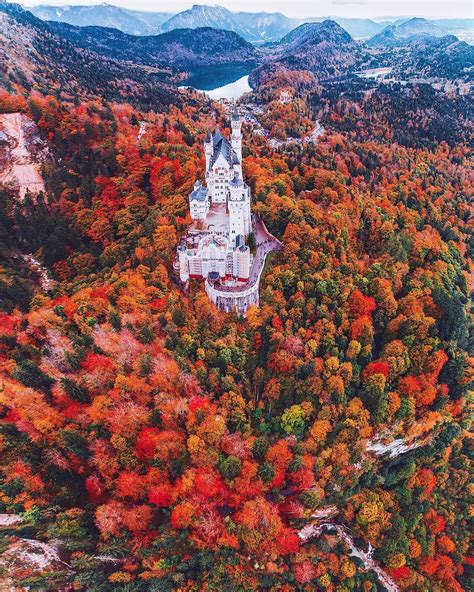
(240, 296)
(176, 265)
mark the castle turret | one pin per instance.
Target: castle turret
(199, 202)
(183, 263)
(236, 138)
(241, 257)
(238, 209)
(208, 148)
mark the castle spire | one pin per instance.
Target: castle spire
(235, 113)
(236, 138)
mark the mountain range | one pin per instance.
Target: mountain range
(258, 27)
(179, 48)
(255, 27)
(101, 61)
(134, 22)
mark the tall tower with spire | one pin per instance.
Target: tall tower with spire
(208, 148)
(239, 210)
(236, 138)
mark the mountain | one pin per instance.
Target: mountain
(419, 49)
(255, 27)
(264, 26)
(462, 28)
(325, 49)
(198, 16)
(433, 57)
(133, 22)
(180, 48)
(405, 31)
(35, 57)
(258, 27)
(312, 34)
(358, 28)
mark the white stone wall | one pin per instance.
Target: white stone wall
(183, 266)
(241, 267)
(233, 301)
(199, 209)
(218, 179)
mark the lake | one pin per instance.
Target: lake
(234, 90)
(221, 82)
(374, 73)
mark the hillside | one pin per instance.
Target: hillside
(21, 153)
(153, 442)
(34, 57)
(160, 431)
(324, 49)
(180, 48)
(427, 57)
(442, 57)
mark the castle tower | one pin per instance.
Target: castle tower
(241, 262)
(183, 263)
(199, 201)
(238, 210)
(208, 148)
(236, 138)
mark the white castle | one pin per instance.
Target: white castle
(216, 246)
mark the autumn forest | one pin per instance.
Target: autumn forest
(318, 443)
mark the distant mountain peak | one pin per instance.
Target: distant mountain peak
(104, 14)
(255, 27)
(314, 33)
(407, 30)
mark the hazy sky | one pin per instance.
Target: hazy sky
(300, 8)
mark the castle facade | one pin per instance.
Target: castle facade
(216, 247)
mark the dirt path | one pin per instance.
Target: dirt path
(44, 280)
(314, 530)
(141, 130)
(386, 444)
(21, 170)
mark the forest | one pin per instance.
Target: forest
(170, 446)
